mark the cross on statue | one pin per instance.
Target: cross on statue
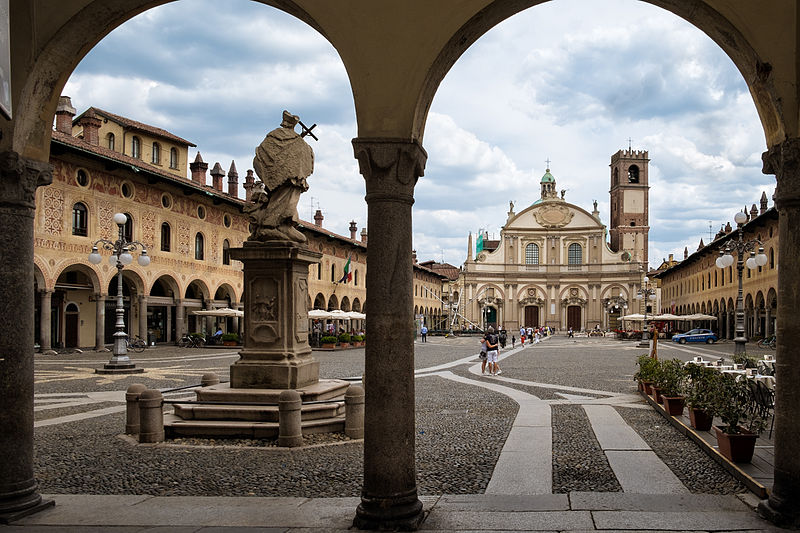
(307, 131)
(548, 163)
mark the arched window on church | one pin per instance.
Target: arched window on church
(633, 174)
(574, 256)
(532, 254)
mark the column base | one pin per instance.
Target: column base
(7, 518)
(779, 518)
(389, 514)
(119, 368)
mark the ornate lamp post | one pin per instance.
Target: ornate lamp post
(121, 250)
(725, 259)
(645, 293)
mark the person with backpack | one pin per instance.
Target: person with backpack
(491, 351)
(503, 337)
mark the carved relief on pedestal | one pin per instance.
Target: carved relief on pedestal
(53, 204)
(553, 216)
(301, 310)
(264, 310)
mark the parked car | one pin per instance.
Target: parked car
(696, 335)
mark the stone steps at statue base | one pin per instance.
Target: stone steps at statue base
(175, 426)
(256, 413)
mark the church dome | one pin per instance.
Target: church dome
(548, 178)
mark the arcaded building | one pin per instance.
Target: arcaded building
(554, 264)
(697, 285)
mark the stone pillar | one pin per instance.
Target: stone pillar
(290, 429)
(354, 412)
(132, 408)
(19, 178)
(151, 416)
(276, 353)
(100, 323)
(783, 505)
(45, 314)
(143, 317)
(389, 498)
(180, 321)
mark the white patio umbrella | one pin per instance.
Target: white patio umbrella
(356, 315)
(319, 313)
(636, 317)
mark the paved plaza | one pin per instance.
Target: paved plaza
(559, 441)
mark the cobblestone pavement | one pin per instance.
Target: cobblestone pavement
(462, 426)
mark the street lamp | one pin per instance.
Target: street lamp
(645, 293)
(755, 260)
(120, 250)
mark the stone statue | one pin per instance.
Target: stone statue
(595, 204)
(283, 161)
(511, 206)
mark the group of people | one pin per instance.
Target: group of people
(534, 335)
(490, 348)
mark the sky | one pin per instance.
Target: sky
(570, 81)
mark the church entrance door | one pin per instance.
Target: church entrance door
(531, 315)
(574, 317)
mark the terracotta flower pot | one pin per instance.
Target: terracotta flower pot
(738, 447)
(657, 394)
(700, 419)
(674, 404)
(648, 387)
(329, 346)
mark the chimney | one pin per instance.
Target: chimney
(764, 202)
(64, 114)
(91, 127)
(249, 182)
(414, 256)
(233, 180)
(685, 252)
(198, 169)
(216, 176)
(364, 235)
(353, 229)
(753, 212)
(671, 258)
(318, 218)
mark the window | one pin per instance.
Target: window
(173, 158)
(156, 154)
(574, 254)
(201, 212)
(532, 254)
(319, 271)
(79, 220)
(166, 237)
(198, 246)
(355, 278)
(333, 273)
(82, 178)
(127, 190)
(771, 258)
(136, 147)
(110, 140)
(166, 201)
(633, 174)
(226, 252)
(127, 229)
(226, 220)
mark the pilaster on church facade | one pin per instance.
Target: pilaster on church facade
(556, 267)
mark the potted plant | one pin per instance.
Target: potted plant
(344, 340)
(646, 373)
(329, 342)
(741, 422)
(357, 340)
(230, 339)
(671, 382)
(700, 395)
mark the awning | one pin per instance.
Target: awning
(222, 311)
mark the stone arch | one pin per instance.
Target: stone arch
(333, 303)
(225, 292)
(345, 304)
(196, 290)
(38, 277)
(319, 301)
(86, 270)
(522, 293)
(356, 305)
(164, 285)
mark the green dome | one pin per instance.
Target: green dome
(548, 178)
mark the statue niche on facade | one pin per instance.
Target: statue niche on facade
(283, 161)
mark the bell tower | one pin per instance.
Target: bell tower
(630, 204)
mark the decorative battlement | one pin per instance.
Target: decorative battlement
(641, 155)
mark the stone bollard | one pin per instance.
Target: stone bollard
(132, 408)
(354, 412)
(209, 379)
(290, 429)
(151, 416)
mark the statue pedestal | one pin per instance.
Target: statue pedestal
(276, 352)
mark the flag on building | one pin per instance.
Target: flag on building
(347, 274)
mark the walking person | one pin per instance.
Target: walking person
(513, 341)
(522, 335)
(483, 357)
(491, 351)
(424, 332)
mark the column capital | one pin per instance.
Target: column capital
(783, 160)
(19, 178)
(391, 167)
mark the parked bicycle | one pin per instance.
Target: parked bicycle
(190, 341)
(136, 343)
(767, 342)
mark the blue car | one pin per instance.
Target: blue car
(696, 335)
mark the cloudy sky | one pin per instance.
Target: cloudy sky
(570, 81)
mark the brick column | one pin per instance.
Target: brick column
(389, 498)
(100, 322)
(783, 505)
(45, 314)
(180, 322)
(143, 317)
(19, 178)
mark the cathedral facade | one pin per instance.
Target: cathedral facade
(556, 264)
